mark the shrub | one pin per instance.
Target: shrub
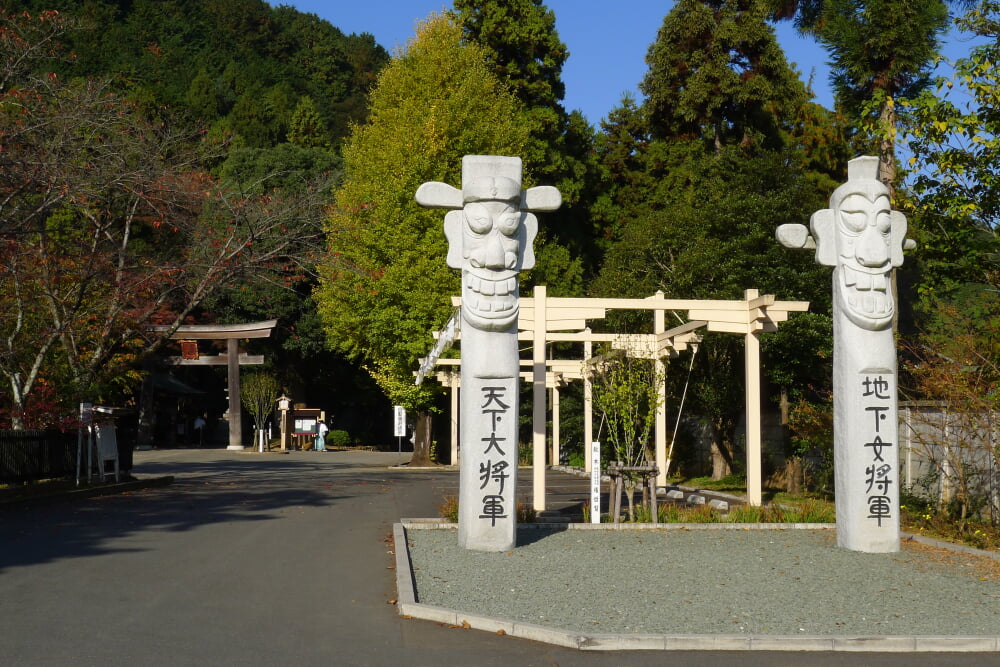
(338, 438)
(448, 510)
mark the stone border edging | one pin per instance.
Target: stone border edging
(408, 607)
(950, 546)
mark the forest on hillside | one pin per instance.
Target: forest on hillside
(178, 161)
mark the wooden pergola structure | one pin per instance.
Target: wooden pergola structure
(544, 319)
(232, 359)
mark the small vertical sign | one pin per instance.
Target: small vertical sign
(399, 426)
(399, 414)
(595, 482)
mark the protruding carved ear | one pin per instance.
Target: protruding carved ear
(794, 236)
(825, 235)
(529, 230)
(897, 239)
(453, 232)
(439, 195)
(541, 198)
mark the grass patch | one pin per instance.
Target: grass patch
(448, 511)
(807, 510)
(730, 483)
(922, 518)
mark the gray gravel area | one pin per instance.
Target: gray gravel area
(773, 582)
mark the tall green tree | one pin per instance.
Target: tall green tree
(699, 176)
(385, 283)
(525, 52)
(953, 133)
(717, 73)
(881, 51)
(707, 232)
(625, 182)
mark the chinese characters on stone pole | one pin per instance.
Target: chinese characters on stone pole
(494, 469)
(863, 239)
(490, 232)
(878, 400)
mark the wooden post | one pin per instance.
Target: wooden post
(588, 403)
(753, 406)
(660, 377)
(538, 403)
(235, 409)
(455, 388)
(556, 454)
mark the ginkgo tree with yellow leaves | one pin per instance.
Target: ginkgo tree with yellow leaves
(385, 284)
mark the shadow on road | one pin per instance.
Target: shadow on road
(220, 489)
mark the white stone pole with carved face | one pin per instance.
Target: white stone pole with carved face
(863, 239)
(490, 234)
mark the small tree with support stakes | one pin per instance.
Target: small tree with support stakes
(260, 393)
(625, 392)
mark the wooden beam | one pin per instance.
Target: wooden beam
(221, 331)
(216, 360)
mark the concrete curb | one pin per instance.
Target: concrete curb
(409, 607)
(437, 524)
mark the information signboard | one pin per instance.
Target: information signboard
(305, 426)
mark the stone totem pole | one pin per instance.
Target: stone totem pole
(490, 234)
(863, 239)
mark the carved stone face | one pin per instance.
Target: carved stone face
(491, 254)
(864, 238)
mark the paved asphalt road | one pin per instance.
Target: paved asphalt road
(252, 559)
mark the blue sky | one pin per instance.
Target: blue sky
(607, 42)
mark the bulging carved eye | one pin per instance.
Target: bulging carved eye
(508, 223)
(883, 222)
(478, 217)
(854, 221)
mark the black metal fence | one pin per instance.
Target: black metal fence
(28, 456)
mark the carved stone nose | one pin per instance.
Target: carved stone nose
(493, 254)
(872, 249)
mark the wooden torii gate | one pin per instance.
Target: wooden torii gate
(232, 359)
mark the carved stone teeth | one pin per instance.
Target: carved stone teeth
(864, 281)
(879, 282)
(486, 287)
(850, 276)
